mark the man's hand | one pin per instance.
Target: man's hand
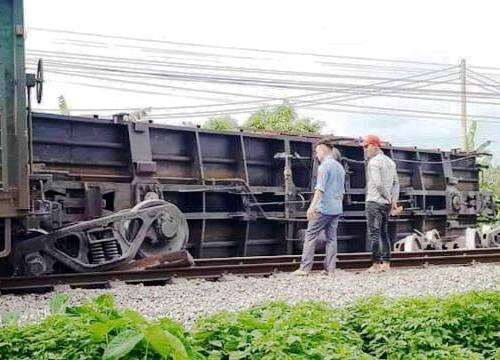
(394, 204)
(395, 209)
(311, 212)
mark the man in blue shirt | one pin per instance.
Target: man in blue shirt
(325, 209)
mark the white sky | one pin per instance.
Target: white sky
(431, 31)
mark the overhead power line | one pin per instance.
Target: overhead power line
(241, 111)
(267, 51)
(309, 103)
(62, 58)
(174, 74)
(356, 92)
(276, 83)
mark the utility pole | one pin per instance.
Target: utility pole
(463, 120)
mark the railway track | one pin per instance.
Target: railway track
(256, 266)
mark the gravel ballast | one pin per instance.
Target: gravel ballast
(185, 300)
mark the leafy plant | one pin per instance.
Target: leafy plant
(490, 175)
(95, 330)
(277, 331)
(138, 115)
(490, 181)
(282, 118)
(8, 318)
(460, 326)
(63, 105)
(59, 303)
(122, 344)
(225, 122)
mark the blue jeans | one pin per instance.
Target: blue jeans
(328, 224)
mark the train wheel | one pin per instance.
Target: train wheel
(167, 233)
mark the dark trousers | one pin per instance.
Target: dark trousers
(316, 226)
(377, 217)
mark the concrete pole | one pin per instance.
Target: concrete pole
(463, 120)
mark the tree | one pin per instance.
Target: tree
(224, 122)
(470, 140)
(282, 118)
(139, 114)
(490, 181)
(63, 105)
(189, 123)
(490, 175)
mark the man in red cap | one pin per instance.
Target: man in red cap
(382, 193)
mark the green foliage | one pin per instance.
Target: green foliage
(58, 337)
(189, 123)
(139, 115)
(490, 176)
(63, 105)
(490, 181)
(282, 118)
(165, 343)
(95, 330)
(470, 145)
(456, 327)
(460, 326)
(463, 326)
(8, 318)
(470, 136)
(122, 344)
(278, 331)
(221, 123)
(59, 303)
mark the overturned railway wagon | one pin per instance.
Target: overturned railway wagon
(88, 194)
(242, 194)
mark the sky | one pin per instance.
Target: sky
(422, 31)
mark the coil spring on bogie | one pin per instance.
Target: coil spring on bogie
(111, 249)
(104, 251)
(97, 253)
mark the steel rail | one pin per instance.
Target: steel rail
(253, 266)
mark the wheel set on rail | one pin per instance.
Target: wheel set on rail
(151, 228)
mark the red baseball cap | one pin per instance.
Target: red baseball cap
(371, 140)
